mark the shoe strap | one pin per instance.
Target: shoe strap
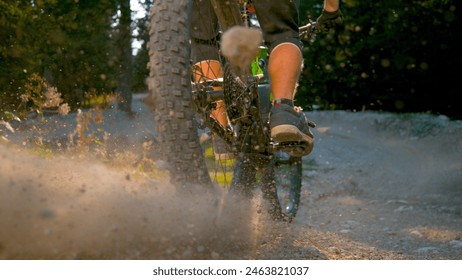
(280, 101)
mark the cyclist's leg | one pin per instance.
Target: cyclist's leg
(206, 60)
(280, 21)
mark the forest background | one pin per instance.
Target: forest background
(396, 56)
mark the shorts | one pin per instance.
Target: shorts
(278, 19)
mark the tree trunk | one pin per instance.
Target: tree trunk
(125, 51)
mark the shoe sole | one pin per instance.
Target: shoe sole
(291, 134)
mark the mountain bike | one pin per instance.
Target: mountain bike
(183, 113)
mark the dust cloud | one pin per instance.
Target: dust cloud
(71, 208)
(377, 186)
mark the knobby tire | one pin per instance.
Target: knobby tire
(170, 93)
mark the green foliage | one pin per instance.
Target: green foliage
(68, 42)
(77, 46)
(17, 51)
(389, 55)
(93, 99)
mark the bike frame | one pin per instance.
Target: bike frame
(256, 87)
(259, 162)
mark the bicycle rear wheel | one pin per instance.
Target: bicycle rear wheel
(279, 177)
(288, 183)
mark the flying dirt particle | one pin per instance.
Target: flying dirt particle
(323, 130)
(47, 214)
(241, 44)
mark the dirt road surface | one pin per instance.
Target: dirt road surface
(377, 186)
